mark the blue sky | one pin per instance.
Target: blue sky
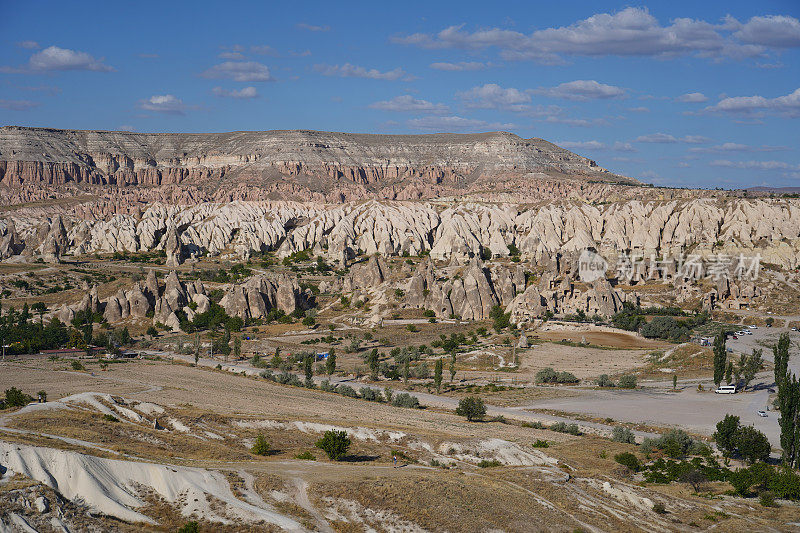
(674, 93)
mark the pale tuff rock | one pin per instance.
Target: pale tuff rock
(55, 242)
(10, 243)
(770, 227)
(172, 247)
(366, 275)
(139, 303)
(260, 294)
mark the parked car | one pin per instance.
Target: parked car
(753, 327)
(794, 328)
(726, 389)
(762, 414)
(735, 337)
(747, 332)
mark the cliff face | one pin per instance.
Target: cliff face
(316, 161)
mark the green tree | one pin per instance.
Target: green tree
(330, 362)
(152, 331)
(471, 407)
(674, 381)
(452, 366)
(781, 359)
(41, 309)
(335, 444)
(308, 368)
(437, 375)
(372, 362)
(752, 365)
(237, 347)
(751, 444)
(720, 358)
(729, 372)
(261, 446)
(16, 398)
(724, 436)
(789, 421)
(406, 369)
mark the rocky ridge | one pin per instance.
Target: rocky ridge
(293, 164)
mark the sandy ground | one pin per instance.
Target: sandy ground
(583, 362)
(613, 339)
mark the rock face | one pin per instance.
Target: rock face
(461, 231)
(261, 294)
(409, 166)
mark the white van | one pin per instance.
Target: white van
(726, 389)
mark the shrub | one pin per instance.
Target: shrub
(489, 463)
(604, 381)
(326, 386)
(404, 399)
(540, 444)
(260, 446)
(369, 394)
(548, 375)
(627, 381)
(190, 527)
(77, 366)
(471, 407)
(629, 460)
(767, 499)
(563, 427)
(16, 398)
(623, 434)
(659, 508)
(306, 456)
(110, 418)
(335, 444)
(347, 390)
(534, 425)
(412, 328)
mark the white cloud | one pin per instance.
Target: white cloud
(230, 55)
(630, 32)
(243, 71)
(582, 145)
(623, 147)
(263, 50)
(664, 138)
(247, 92)
(583, 90)
(578, 122)
(772, 30)
(165, 103)
(353, 71)
(459, 66)
(492, 96)
(736, 147)
(29, 45)
(754, 165)
(455, 123)
(311, 27)
(692, 98)
(18, 105)
(126, 127)
(596, 145)
(788, 105)
(55, 58)
(407, 103)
